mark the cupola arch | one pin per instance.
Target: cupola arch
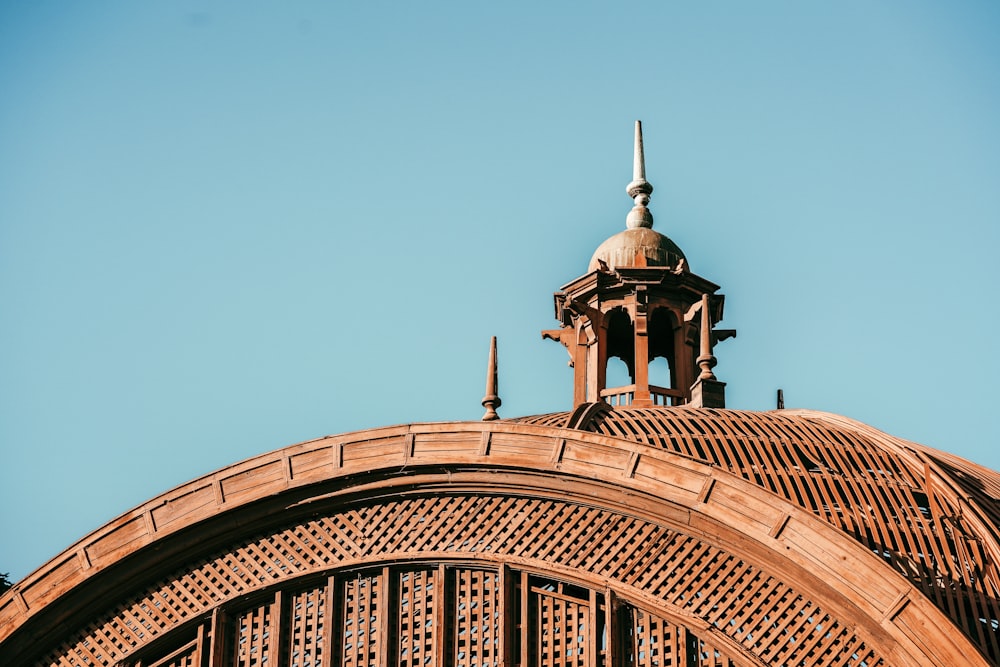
(665, 338)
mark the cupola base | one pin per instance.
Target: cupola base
(708, 394)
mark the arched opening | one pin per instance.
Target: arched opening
(662, 369)
(618, 373)
(659, 373)
(621, 344)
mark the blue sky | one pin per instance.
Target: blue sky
(227, 227)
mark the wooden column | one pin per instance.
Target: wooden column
(508, 613)
(331, 625)
(217, 649)
(440, 624)
(684, 356)
(597, 361)
(592, 638)
(611, 623)
(641, 348)
(386, 605)
(276, 630)
(199, 655)
(525, 617)
(580, 352)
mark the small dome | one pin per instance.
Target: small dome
(637, 247)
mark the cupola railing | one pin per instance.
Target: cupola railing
(625, 395)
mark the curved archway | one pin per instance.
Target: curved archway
(662, 332)
(695, 547)
(617, 373)
(621, 340)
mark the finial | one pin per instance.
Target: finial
(706, 360)
(639, 189)
(492, 400)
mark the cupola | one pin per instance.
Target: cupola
(640, 303)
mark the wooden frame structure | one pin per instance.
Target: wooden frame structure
(646, 527)
(640, 302)
(518, 539)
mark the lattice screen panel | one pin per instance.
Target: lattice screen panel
(191, 659)
(562, 625)
(307, 628)
(189, 655)
(740, 600)
(477, 618)
(251, 637)
(362, 602)
(185, 648)
(653, 642)
(416, 594)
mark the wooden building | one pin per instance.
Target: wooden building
(648, 525)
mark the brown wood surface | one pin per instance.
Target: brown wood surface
(736, 539)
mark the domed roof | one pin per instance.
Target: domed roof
(638, 245)
(931, 516)
(641, 246)
(701, 534)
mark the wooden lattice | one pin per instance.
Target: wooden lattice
(363, 607)
(889, 498)
(562, 624)
(417, 593)
(477, 618)
(307, 628)
(691, 577)
(188, 655)
(705, 547)
(655, 642)
(252, 637)
(563, 628)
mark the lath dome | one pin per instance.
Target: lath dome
(930, 516)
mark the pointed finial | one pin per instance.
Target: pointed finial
(706, 360)
(492, 400)
(639, 189)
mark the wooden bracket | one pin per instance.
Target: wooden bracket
(706, 490)
(557, 452)
(893, 610)
(633, 463)
(779, 526)
(408, 447)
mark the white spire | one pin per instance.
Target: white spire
(639, 189)
(639, 161)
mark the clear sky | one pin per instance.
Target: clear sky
(227, 227)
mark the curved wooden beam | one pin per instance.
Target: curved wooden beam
(705, 502)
